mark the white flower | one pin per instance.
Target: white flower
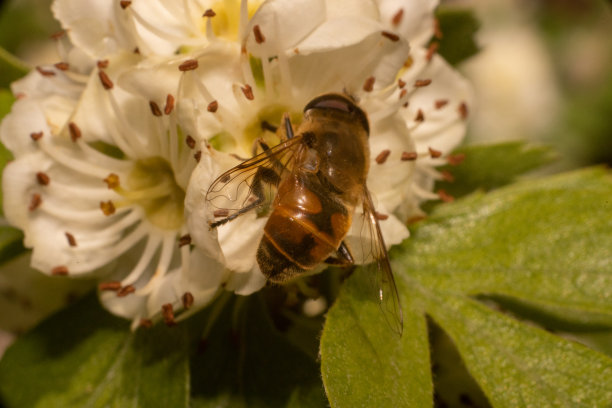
(98, 184)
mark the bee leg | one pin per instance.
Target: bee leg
(343, 257)
(288, 128)
(263, 176)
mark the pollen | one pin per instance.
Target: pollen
(420, 116)
(155, 108)
(455, 159)
(42, 178)
(75, 132)
(463, 110)
(397, 17)
(380, 216)
(440, 103)
(35, 202)
(188, 65)
(105, 80)
(102, 64)
(146, 323)
(213, 106)
(125, 4)
(36, 135)
(45, 72)
(71, 240)
(169, 104)
(248, 92)
(368, 85)
(112, 181)
(259, 37)
(419, 83)
(444, 196)
(107, 207)
(401, 83)
(409, 156)
(383, 156)
(197, 156)
(209, 13)
(393, 37)
(431, 50)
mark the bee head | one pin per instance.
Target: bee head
(339, 103)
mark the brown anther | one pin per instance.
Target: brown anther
(405, 105)
(408, 63)
(187, 300)
(259, 37)
(126, 290)
(61, 270)
(42, 178)
(380, 217)
(403, 93)
(368, 85)
(213, 106)
(112, 181)
(145, 323)
(419, 83)
(397, 17)
(401, 83)
(437, 30)
(455, 159)
(463, 110)
(420, 116)
(168, 314)
(169, 104)
(62, 66)
(440, 103)
(393, 37)
(415, 219)
(110, 286)
(188, 65)
(444, 196)
(184, 240)
(220, 213)
(447, 176)
(248, 92)
(155, 108)
(58, 35)
(71, 240)
(75, 132)
(431, 50)
(434, 153)
(36, 135)
(209, 13)
(107, 207)
(190, 141)
(409, 156)
(125, 4)
(45, 72)
(198, 155)
(105, 80)
(102, 64)
(383, 156)
(35, 202)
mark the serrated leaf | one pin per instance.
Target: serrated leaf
(486, 167)
(458, 28)
(247, 363)
(84, 357)
(364, 362)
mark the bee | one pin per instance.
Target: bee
(315, 179)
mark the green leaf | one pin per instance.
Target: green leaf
(11, 68)
(486, 167)
(458, 27)
(85, 357)
(11, 243)
(365, 363)
(245, 362)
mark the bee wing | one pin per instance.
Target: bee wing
(251, 184)
(379, 268)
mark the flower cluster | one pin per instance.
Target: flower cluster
(116, 145)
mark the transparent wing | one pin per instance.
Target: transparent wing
(375, 255)
(252, 184)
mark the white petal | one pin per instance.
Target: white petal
(246, 283)
(417, 16)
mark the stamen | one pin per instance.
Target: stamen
(455, 159)
(248, 92)
(259, 37)
(420, 117)
(401, 83)
(187, 300)
(145, 323)
(62, 66)
(42, 178)
(112, 181)
(437, 30)
(447, 176)
(444, 196)
(380, 217)
(397, 17)
(393, 37)
(71, 240)
(409, 156)
(125, 4)
(107, 207)
(168, 314)
(213, 106)
(440, 103)
(45, 72)
(198, 155)
(145, 258)
(190, 141)
(188, 65)
(102, 64)
(35, 202)
(368, 85)
(36, 135)
(126, 290)
(382, 156)
(165, 258)
(463, 110)
(58, 35)
(419, 83)
(105, 80)
(111, 286)
(169, 104)
(75, 132)
(184, 240)
(60, 271)
(431, 50)
(209, 13)
(155, 108)
(434, 153)
(403, 93)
